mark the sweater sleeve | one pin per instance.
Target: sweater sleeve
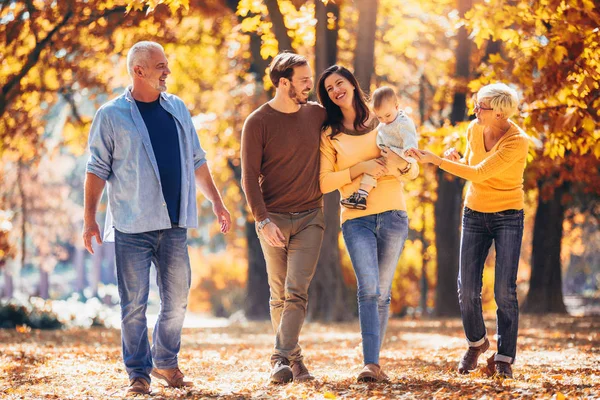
(330, 178)
(251, 155)
(509, 152)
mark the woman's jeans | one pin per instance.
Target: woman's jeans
(479, 229)
(375, 243)
(167, 249)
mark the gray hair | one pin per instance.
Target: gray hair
(501, 97)
(139, 54)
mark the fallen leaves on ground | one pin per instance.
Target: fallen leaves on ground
(558, 357)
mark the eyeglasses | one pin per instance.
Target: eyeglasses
(479, 108)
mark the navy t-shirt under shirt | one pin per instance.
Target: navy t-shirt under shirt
(165, 143)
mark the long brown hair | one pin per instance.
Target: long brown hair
(335, 117)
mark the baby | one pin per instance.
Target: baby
(396, 132)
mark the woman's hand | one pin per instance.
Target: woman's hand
(424, 156)
(392, 160)
(375, 167)
(452, 154)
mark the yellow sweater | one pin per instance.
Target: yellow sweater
(497, 175)
(345, 151)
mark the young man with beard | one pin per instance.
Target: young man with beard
(280, 177)
(145, 149)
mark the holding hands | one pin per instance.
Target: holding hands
(424, 156)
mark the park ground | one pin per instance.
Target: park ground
(559, 357)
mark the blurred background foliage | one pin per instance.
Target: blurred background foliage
(60, 60)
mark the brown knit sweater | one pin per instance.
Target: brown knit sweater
(280, 159)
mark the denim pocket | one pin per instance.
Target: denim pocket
(468, 211)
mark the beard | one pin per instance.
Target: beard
(296, 96)
(158, 85)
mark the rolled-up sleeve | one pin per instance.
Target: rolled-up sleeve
(101, 146)
(197, 150)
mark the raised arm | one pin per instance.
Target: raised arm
(509, 152)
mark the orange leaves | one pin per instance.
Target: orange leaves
(232, 362)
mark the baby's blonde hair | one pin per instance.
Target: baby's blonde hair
(501, 98)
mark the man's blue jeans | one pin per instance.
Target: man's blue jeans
(167, 249)
(479, 229)
(375, 243)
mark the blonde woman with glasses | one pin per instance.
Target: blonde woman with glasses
(494, 162)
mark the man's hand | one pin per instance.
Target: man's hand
(272, 235)
(91, 229)
(222, 216)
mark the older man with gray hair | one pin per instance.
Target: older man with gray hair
(145, 149)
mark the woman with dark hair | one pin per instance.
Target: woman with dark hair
(374, 236)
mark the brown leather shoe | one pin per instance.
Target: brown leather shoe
(469, 359)
(300, 372)
(384, 376)
(281, 372)
(372, 373)
(503, 370)
(173, 377)
(138, 386)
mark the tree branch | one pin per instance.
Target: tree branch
(9, 93)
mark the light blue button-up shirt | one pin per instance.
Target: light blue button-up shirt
(122, 155)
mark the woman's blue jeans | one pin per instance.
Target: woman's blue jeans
(375, 243)
(167, 249)
(479, 229)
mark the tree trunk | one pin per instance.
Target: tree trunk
(44, 288)
(279, 29)
(8, 288)
(325, 39)
(79, 264)
(328, 291)
(96, 268)
(256, 306)
(109, 272)
(364, 56)
(545, 286)
(447, 241)
(448, 203)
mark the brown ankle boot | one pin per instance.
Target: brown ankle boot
(300, 372)
(503, 370)
(173, 377)
(469, 359)
(372, 373)
(138, 386)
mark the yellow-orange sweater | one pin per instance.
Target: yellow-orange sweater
(344, 151)
(497, 175)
